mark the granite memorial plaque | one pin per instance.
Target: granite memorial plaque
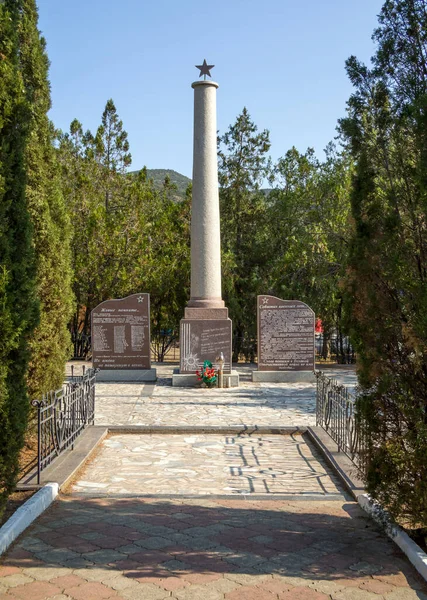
(121, 333)
(202, 340)
(285, 335)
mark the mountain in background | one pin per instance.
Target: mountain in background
(158, 177)
(181, 181)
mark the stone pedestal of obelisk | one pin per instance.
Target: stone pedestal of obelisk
(205, 330)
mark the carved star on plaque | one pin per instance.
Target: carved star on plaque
(205, 69)
(140, 298)
(265, 301)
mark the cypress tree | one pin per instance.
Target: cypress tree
(18, 304)
(50, 345)
(387, 277)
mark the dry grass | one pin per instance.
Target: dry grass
(14, 501)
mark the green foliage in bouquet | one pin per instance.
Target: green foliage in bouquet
(206, 374)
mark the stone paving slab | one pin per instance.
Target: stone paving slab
(194, 549)
(207, 464)
(252, 404)
(204, 409)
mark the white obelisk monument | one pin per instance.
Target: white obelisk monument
(206, 330)
(205, 227)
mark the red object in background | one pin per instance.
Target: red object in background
(318, 328)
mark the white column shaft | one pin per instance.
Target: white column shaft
(205, 223)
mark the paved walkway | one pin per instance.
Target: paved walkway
(252, 404)
(199, 549)
(156, 517)
(208, 464)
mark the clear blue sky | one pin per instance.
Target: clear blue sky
(282, 59)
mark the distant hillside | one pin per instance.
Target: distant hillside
(158, 177)
(181, 181)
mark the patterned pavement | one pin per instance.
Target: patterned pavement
(199, 549)
(207, 464)
(252, 404)
(122, 534)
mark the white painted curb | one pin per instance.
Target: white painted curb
(26, 514)
(417, 557)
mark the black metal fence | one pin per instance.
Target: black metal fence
(336, 414)
(82, 345)
(336, 347)
(62, 415)
(164, 343)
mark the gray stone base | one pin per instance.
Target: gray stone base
(283, 376)
(127, 375)
(190, 379)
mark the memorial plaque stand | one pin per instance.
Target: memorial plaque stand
(205, 330)
(285, 341)
(204, 334)
(121, 339)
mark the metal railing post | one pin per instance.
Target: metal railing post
(39, 444)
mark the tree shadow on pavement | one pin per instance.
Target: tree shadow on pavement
(231, 545)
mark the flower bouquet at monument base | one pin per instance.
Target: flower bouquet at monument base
(206, 375)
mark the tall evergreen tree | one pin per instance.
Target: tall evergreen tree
(50, 345)
(111, 147)
(18, 305)
(166, 272)
(243, 166)
(387, 280)
(108, 208)
(308, 213)
(139, 241)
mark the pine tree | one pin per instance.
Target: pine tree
(111, 150)
(18, 304)
(107, 208)
(243, 166)
(50, 345)
(308, 215)
(166, 268)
